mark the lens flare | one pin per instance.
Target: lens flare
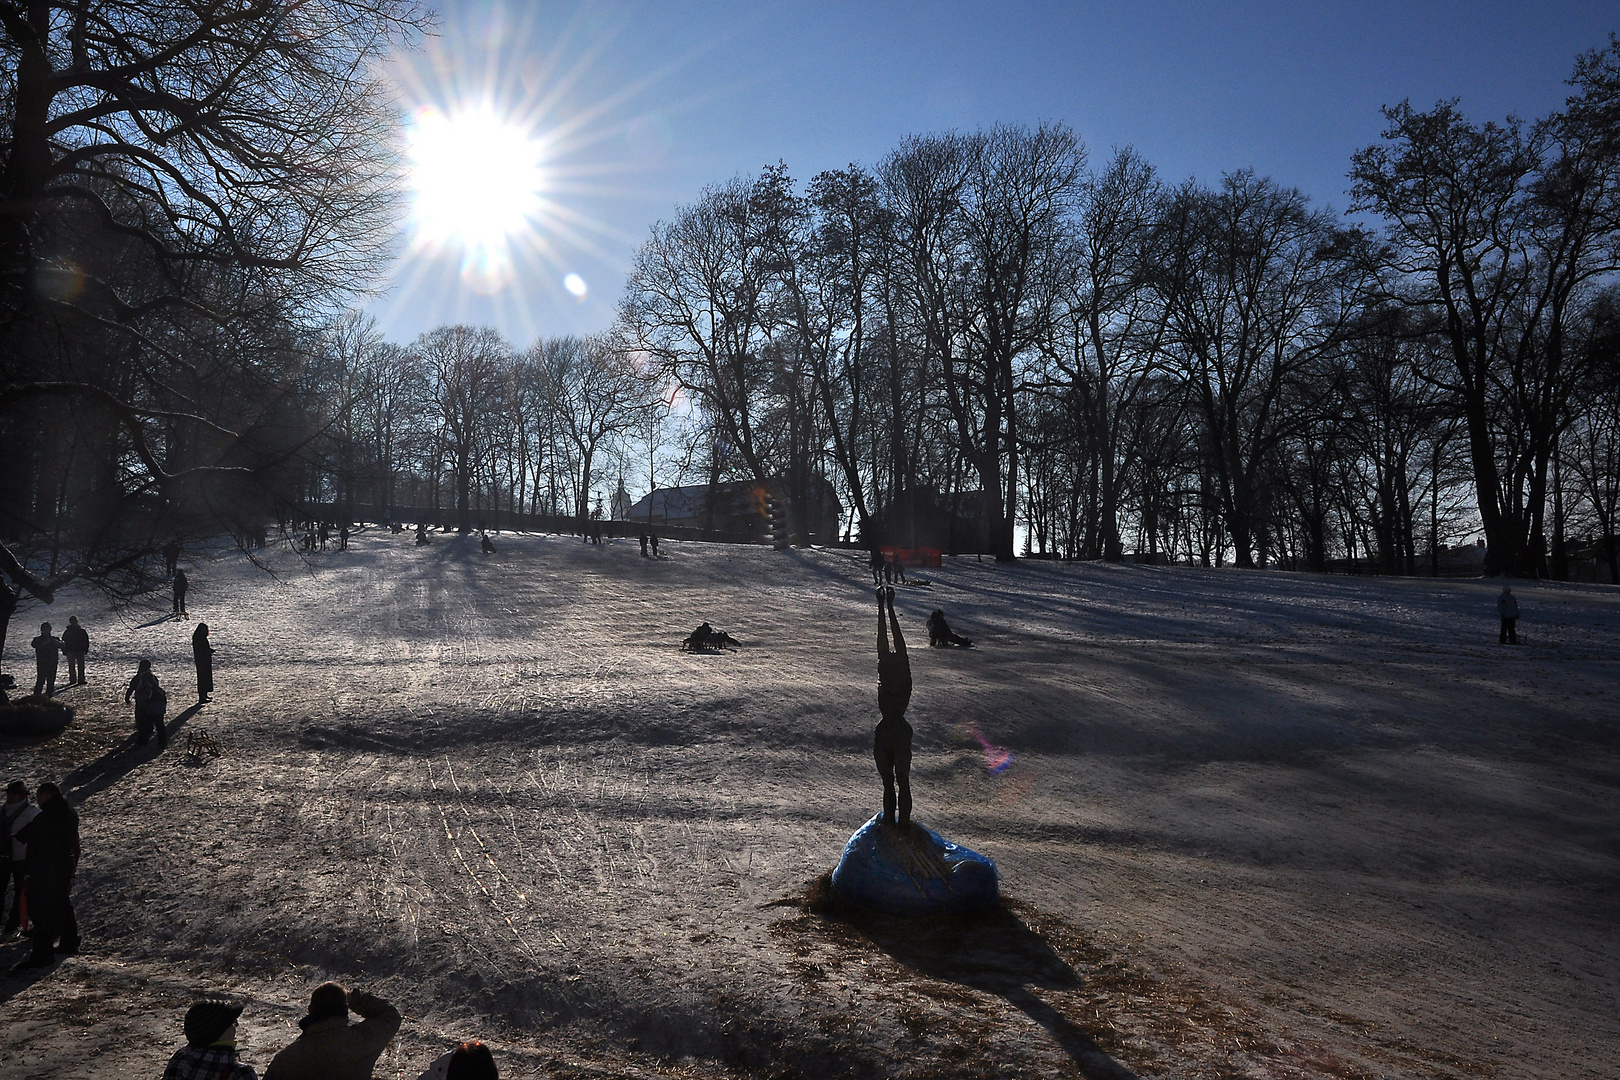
(575, 286)
(997, 760)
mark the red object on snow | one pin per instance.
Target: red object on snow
(914, 556)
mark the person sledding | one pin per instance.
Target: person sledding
(707, 639)
(940, 635)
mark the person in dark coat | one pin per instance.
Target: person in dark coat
(939, 631)
(17, 812)
(652, 538)
(171, 557)
(180, 587)
(486, 544)
(203, 653)
(643, 545)
(150, 704)
(331, 1048)
(876, 564)
(891, 741)
(1506, 606)
(75, 643)
(53, 861)
(343, 538)
(47, 651)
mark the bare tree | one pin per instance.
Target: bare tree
(181, 185)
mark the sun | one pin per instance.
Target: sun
(477, 181)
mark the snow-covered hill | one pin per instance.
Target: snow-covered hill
(1256, 823)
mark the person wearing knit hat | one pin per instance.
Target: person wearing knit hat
(210, 1050)
(330, 1047)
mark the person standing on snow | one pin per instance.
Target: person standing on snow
(891, 741)
(180, 587)
(16, 813)
(47, 651)
(75, 643)
(53, 862)
(150, 705)
(1508, 608)
(203, 653)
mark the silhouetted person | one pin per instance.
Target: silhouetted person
(876, 564)
(331, 1048)
(422, 536)
(47, 651)
(469, 1061)
(151, 702)
(203, 653)
(343, 538)
(210, 1050)
(181, 584)
(486, 543)
(939, 631)
(891, 742)
(1506, 606)
(16, 813)
(652, 538)
(325, 534)
(643, 545)
(75, 643)
(53, 861)
(171, 557)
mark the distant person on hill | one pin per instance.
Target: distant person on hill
(53, 862)
(469, 1061)
(652, 538)
(939, 631)
(47, 651)
(181, 584)
(1508, 608)
(486, 543)
(151, 702)
(171, 557)
(16, 813)
(203, 653)
(891, 742)
(343, 538)
(899, 568)
(75, 643)
(643, 538)
(331, 1048)
(877, 564)
(210, 1050)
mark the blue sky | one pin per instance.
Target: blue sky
(642, 105)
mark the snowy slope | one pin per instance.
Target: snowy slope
(1257, 823)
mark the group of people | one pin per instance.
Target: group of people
(48, 651)
(330, 1046)
(887, 569)
(40, 838)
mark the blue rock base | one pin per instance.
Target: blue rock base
(913, 871)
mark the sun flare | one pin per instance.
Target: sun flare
(478, 181)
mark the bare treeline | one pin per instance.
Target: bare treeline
(992, 324)
(462, 422)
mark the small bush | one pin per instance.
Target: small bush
(34, 715)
